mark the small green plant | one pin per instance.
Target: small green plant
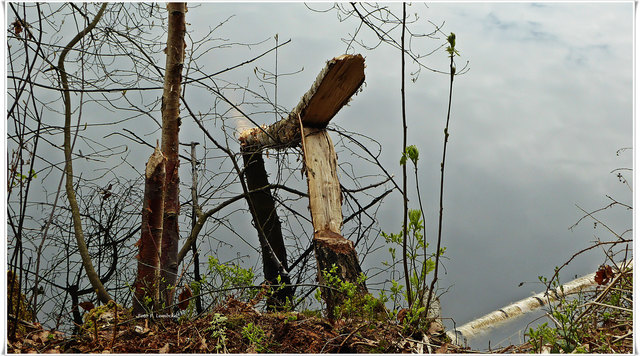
(290, 302)
(308, 313)
(354, 304)
(566, 335)
(420, 263)
(23, 178)
(541, 336)
(230, 279)
(218, 330)
(451, 49)
(256, 337)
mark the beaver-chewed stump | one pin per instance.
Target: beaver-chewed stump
(332, 249)
(325, 203)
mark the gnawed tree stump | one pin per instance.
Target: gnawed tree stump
(333, 88)
(147, 280)
(325, 203)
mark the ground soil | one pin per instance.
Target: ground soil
(280, 332)
(273, 332)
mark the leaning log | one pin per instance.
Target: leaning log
(146, 284)
(332, 89)
(266, 221)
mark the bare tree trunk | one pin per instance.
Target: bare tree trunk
(146, 285)
(266, 221)
(97, 285)
(170, 128)
(325, 203)
(195, 213)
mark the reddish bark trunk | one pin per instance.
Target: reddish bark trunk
(170, 128)
(146, 285)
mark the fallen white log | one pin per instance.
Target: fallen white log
(459, 334)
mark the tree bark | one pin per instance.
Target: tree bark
(195, 213)
(146, 285)
(97, 285)
(266, 221)
(170, 128)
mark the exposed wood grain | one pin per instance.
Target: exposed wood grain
(325, 203)
(325, 198)
(332, 89)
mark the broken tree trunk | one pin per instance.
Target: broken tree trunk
(325, 203)
(195, 212)
(146, 284)
(333, 88)
(170, 127)
(266, 221)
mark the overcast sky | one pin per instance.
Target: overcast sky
(535, 126)
(536, 122)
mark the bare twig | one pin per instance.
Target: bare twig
(442, 165)
(405, 198)
(71, 196)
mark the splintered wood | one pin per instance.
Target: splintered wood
(332, 89)
(325, 197)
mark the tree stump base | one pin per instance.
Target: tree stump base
(333, 249)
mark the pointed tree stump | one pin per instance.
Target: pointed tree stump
(147, 280)
(332, 89)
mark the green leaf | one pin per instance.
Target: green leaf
(413, 153)
(452, 40)
(410, 152)
(414, 217)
